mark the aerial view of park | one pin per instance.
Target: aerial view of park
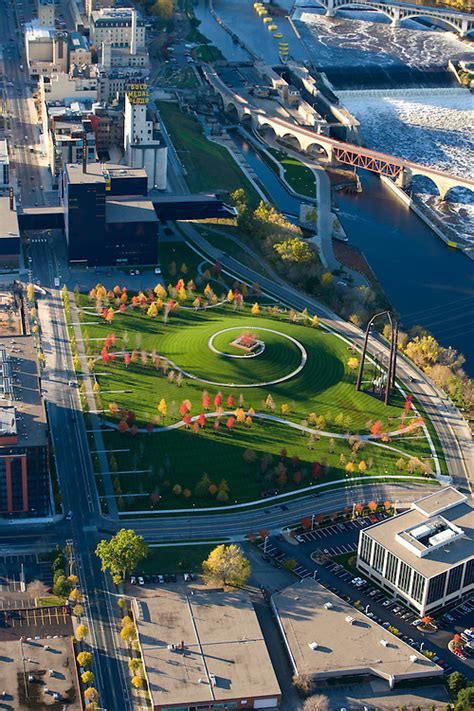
(210, 395)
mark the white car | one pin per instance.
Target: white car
(141, 580)
(416, 622)
(157, 270)
(186, 577)
(133, 580)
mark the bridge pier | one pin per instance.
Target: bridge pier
(403, 180)
(395, 12)
(330, 12)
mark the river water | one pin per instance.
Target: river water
(425, 281)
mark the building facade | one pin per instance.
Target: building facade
(46, 13)
(46, 50)
(108, 218)
(78, 50)
(24, 458)
(423, 556)
(4, 164)
(120, 27)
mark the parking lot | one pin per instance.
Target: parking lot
(35, 623)
(27, 567)
(314, 555)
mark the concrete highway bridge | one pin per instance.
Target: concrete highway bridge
(331, 150)
(459, 22)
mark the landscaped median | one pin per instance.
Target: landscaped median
(195, 420)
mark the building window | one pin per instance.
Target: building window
(418, 586)
(379, 555)
(364, 548)
(455, 577)
(469, 577)
(436, 588)
(391, 569)
(404, 577)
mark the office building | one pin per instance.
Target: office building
(46, 50)
(423, 556)
(10, 245)
(79, 84)
(4, 164)
(122, 28)
(68, 134)
(46, 13)
(327, 638)
(24, 466)
(114, 81)
(108, 218)
(107, 124)
(204, 649)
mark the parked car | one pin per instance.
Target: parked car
(133, 580)
(161, 579)
(186, 577)
(141, 580)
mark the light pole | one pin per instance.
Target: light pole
(367, 609)
(312, 521)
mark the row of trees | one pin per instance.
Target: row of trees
(443, 365)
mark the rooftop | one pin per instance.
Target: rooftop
(436, 533)
(114, 13)
(50, 662)
(8, 219)
(96, 172)
(326, 636)
(129, 209)
(77, 41)
(224, 656)
(20, 389)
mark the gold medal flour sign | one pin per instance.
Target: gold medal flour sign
(138, 93)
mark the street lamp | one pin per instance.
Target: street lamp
(367, 609)
(312, 520)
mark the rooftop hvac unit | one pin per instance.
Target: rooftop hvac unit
(350, 620)
(213, 679)
(313, 646)
(171, 647)
(384, 643)
(328, 605)
(413, 658)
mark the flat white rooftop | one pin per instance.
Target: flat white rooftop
(327, 637)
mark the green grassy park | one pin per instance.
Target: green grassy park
(297, 175)
(209, 166)
(169, 459)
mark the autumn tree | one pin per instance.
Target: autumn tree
(255, 310)
(316, 703)
(84, 659)
(122, 553)
(81, 632)
(162, 408)
(87, 677)
(226, 565)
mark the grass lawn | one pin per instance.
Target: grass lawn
(209, 166)
(217, 239)
(297, 175)
(165, 560)
(161, 469)
(179, 78)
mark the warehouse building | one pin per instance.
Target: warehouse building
(424, 556)
(326, 638)
(204, 649)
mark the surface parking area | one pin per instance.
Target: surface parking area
(35, 623)
(23, 577)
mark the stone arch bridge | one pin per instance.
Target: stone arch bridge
(458, 22)
(333, 151)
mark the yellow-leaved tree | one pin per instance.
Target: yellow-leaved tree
(226, 565)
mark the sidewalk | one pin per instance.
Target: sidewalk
(94, 418)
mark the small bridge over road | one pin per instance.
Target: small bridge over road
(330, 149)
(459, 22)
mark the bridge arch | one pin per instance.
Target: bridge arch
(461, 194)
(449, 25)
(292, 140)
(320, 149)
(421, 183)
(231, 108)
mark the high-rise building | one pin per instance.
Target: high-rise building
(108, 218)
